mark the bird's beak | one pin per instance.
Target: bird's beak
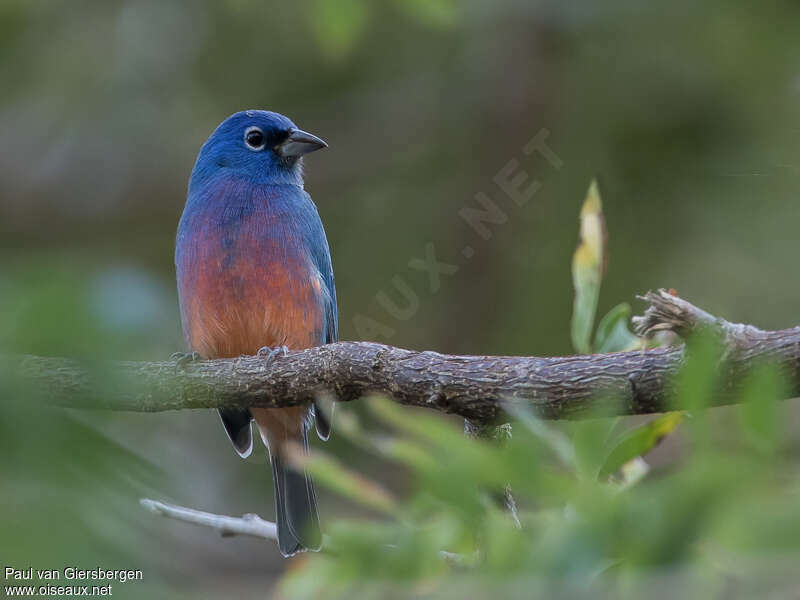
(298, 143)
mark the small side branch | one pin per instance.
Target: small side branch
(252, 525)
(475, 387)
(669, 312)
(249, 524)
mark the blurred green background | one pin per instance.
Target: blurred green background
(687, 112)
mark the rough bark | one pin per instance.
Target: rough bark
(474, 387)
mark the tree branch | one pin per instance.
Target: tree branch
(248, 524)
(474, 387)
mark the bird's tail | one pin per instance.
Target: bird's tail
(296, 513)
(296, 517)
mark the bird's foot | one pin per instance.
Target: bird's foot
(270, 353)
(183, 358)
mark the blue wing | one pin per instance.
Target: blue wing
(320, 252)
(332, 310)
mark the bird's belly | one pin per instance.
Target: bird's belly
(236, 308)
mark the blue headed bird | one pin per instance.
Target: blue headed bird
(254, 273)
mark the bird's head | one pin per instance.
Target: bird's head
(258, 145)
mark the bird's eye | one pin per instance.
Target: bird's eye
(254, 138)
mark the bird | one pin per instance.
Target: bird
(254, 276)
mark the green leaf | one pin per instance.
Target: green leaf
(760, 413)
(695, 384)
(331, 473)
(427, 427)
(559, 444)
(588, 266)
(456, 456)
(612, 333)
(639, 441)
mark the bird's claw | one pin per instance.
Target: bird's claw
(269, 353)
(183, 358)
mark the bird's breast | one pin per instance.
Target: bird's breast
(246, 280)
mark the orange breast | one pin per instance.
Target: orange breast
(247, 291)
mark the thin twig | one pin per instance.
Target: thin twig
(253, 526)
(248, 524)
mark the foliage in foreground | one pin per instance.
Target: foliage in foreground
(717, 517)
(721, 519)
